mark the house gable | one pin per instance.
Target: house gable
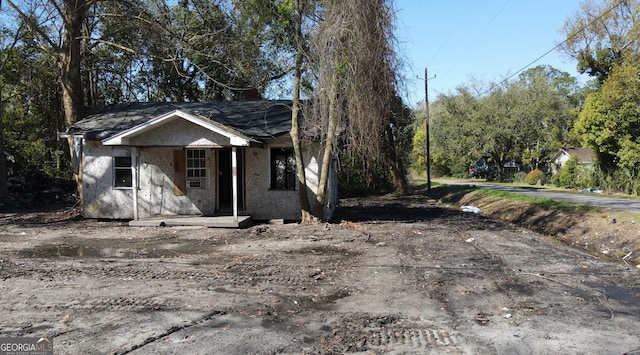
(585, 155)
(585, 158)
(161, 131)
(180, 133)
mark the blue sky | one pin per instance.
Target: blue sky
(461, 41)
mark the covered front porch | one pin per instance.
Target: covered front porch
(178, 179)
(194, 221)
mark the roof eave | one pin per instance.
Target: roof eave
(67, 135)
(124, 137)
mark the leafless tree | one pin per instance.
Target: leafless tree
(356, 88)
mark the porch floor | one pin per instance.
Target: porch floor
(200, 221)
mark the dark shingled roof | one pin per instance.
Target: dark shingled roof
(585, 155)
(256, 119)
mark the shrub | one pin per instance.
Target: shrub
(535, 177)
(566, 177)
(520, 177)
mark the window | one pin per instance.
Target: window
(122, 172)
(283, 169)
(196, 168)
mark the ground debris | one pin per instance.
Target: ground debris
(310, 289)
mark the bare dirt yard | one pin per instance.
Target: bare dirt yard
(391, 275)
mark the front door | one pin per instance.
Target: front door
(225, 188)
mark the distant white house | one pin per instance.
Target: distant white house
(585, 156)
(142, 160)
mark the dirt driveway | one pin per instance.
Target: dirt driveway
(397, 275)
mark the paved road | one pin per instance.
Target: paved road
(583, 199)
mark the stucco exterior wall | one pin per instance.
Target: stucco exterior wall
(100, 199)
(264, 203)
(155, 184)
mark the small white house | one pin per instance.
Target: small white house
(231, 158)
(585, 157)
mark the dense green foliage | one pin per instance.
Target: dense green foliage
(610, 119)
(157, 50)
(62, 60)
(526, 121)
(31, 117)
(604, 37)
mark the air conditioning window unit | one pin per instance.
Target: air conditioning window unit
(195, 184)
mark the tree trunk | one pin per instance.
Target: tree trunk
(396, 167)
(498, 159)
(398, 176)
(69, 58)
(305, 208)
(327, 154)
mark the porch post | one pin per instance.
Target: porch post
(134, 173)
(234, 182)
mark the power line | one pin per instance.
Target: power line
(479, 34)
(552, 49)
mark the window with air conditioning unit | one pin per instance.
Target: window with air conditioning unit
(196, 168)
(194, 184)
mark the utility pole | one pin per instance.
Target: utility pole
(426, 127)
